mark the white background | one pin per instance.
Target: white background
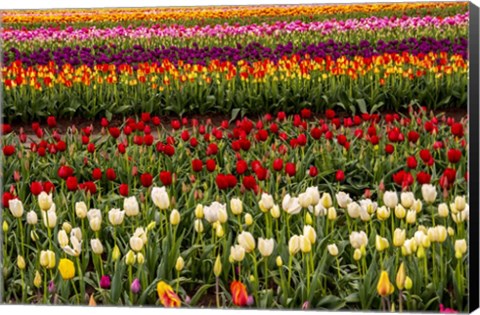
(46, 4)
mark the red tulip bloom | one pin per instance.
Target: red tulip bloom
(211, 165)
(51, 122)
(114, 132)
(185, 135)
(278, 165)
(111, 175)
(145, 117)
(262, 135)
(245, 144)
(148, 139)
(340, 176)
(36, 188)
(197, 165)
(222, 181)
(123, 190)
(232, 180)
(176, 124)
(451, 174)
(358, 133)
(6, 129)
(65, 171)
(97, 174)
(454, 155)
(48, 187)
(411, 162)
(306, 113)
(273, 128)
(389, 148)
(166, 178)
(374, 140)
(146, 179)
(88, 187)
(8, 150)
(249, 182)
(313, 171)
(302, 139)
(290, 169)
(316, 133)
(402, 178)
(121, 148)
(72, 183)
(193, 142)
(212, 149)
(425, 155)
(236, 145)
(261, 173)
(457, 129)
(241, 167)
(413, 136)
(330, 113)
(281, 116)
(423, 178)
(104, 122)
(341, 139)
(156, 121)
(169, 150)
(6, 198)
(61, 146)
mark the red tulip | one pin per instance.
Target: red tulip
(306, 113)
(273, 128)
(88, 187)
(413, 136)
(290, 169)
(281, 116)
(169, 150)
(330, 113)
(97, 174)
(411, 162)
(51, 122)
(146, 179)
(212, 149)
(8, 150)
(65, 171)
(104, 122)
(36, 188)
(454, 155)
(249, 182)
(145, 117)
(313, 171)
(72, 183)
(423, 178)
(48, 187)
(245, 144)
(6, 129)
(123, 190)
(114, 132)
(121, 148)
(61, 146)
(111, 175)
(176, 124)
(316, 133)
(425, 155)
(262, 135)
(6, 198)
(221, 181)
(302, 139)
(232, 181)
(156, 121)
(241, 167)
(261, 173)
(340, 176)
(341, 139)
(197, 165)
(166, 178)
(211, 165)
(193, 142)
(389, 148)
(457, 129)
(278, 165)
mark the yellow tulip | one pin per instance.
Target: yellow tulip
(384, 286)
(401, 275)
(66, 268)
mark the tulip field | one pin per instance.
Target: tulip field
(264, 157)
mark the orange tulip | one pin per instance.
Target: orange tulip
(239, 293)
(167, 296)
(384, 286)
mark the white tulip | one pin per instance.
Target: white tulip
(368, 205)
(265, 246)
(294, 244)
(304, 200)
(198, 226)
(76, 232)
(49, 219)
(407, 199)
(136, 243)
(174, 217)
(326, 200)
(291, 205)
(318, 210)
(32, 218)
(353, 210)
(332, 249)
(236, 206)
(429, 193)
(343, 199)
(266, 202)
(212, 212)
(116, 216)
(417, 205)
(383, 213)
(364, 214)
(310, 233)
(275, 211)
(400, 212)
(81, 209)
(45, 201)
(237, 252)
(399, 237)
(16, 207)
(443, 210)
(140, 233)
(246, 240)
(460, 203)
(461, 246)
(75, 249)
(94, 219)
(305, 245)
(411, 216)
(131, 207)
(222, 214)
(97, 246)
(160, 198)
(358, 239)
(314, 195)
(62, 238)
(390, 199)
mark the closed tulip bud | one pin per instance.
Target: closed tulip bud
(130, 258)
(357, 254)
(442, 233)
(237, 252)
(407, 199)
(326, 200)
(34, 235)
(248, 219)
(400, 212)
(45, 201)
(198, 226)
(97, 246)
(47, 259)
(461, 246)
(236, 206)
(460, 203)
(21, 262)
(140, 258)
(451, 231)
(408, 283)
(399, 237)
(246, 240)
(332, 250)
(32, 218)
(49, 219)
(279, 261)
(16, 207)
(401, 277)
(332, 214)
(294, 245)
(265, 246)
(411, 216)
(174, 217)
(81, 209)
(115, 253)
(62, 238)
(222, 215)
(219, 231)
(179, 264)
(151, 226)
(443, 210)
(381, 243)
(429, 193)
(217, 267)
(231, 259)
(37, 281)
(383, 213)
(199, 211)
(251, 278)
(5, 227)
(308, 219)
(305, 245)
(417, 206)
(384, 286)
(358, 239)
(275, 211)
(310, 233)
(420, 252)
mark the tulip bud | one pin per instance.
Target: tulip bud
(275, 211)
(332, 214)
(326, 200)
(305, 245)
(217, 267)
(399, 237)
(401, 276)
(135, 287)
(237, 252)
(236, 206)
(451, 231)
(21, 262)
(219, 231)
(400, 212)
(62, 238)
(131, 207)
(45, 201)
(115, 253)
(37, 281)
(151, 226)
(251, 278)
(460, 203)
(279, 261)
(384, 286)
(179, 264)
(294, 245)
(199, 211)
(130, 258)
(407, 199)
(265, 246)
(461, 246)
(97, 246)
(248, 219)
(357, 254)
(34, 235)
(408, 283)
(332, 250)
(174, 217)
(5, 227)
(420, 252)
(140, 258)
(411, 216)
(443, 210)
(136, 243)
(381, 243)
(198, 226)
(429, 193)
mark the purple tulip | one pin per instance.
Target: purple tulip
(105, 282)
(250, 300)
(51, 287)
(306, 305)
(135, 287)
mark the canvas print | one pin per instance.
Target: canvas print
(266, 157)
